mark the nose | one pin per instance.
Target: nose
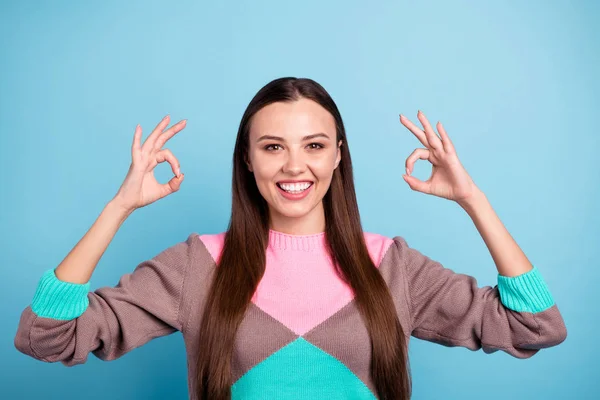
(294, 163)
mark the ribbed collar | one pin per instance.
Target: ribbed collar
(286, 241)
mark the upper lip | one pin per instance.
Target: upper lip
(293, 181)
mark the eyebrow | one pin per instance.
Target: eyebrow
(308, 137)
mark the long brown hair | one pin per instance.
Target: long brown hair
(243, 258)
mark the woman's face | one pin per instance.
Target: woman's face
(293, 153)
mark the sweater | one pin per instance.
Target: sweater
(302, 336)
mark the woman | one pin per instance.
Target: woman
(294, 300)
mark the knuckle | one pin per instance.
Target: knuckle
(158, 144)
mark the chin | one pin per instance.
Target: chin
(294, 212)
(291, 210)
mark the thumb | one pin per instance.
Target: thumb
(175, 183)
(416, 184)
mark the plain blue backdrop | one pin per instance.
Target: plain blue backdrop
(515, 84)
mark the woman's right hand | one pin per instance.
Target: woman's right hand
(140, 187)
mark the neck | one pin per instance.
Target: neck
(309, 224)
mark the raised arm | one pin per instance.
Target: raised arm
(64, 321)
(519, 314)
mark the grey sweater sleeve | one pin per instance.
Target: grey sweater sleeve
(517, 316)
(65, 322)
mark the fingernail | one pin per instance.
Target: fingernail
(407, 171)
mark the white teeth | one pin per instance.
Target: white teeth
(295, 187)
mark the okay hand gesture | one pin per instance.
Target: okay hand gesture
(140, 187)
(448, 178)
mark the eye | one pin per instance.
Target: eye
(269, 147)
(312, 146)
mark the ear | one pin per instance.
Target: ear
(248, 163)
(339, 155)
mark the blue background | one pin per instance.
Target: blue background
(515, 84)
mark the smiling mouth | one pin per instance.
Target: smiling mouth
(295, 188)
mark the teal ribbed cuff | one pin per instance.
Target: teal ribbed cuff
(57, 299)
(525, 292)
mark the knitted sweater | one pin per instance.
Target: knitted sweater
(302, 336)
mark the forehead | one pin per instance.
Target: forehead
(292, 120)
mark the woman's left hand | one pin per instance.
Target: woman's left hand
(448, 178)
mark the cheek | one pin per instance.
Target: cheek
(324, 168)
(260, 165)
(264, 172)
